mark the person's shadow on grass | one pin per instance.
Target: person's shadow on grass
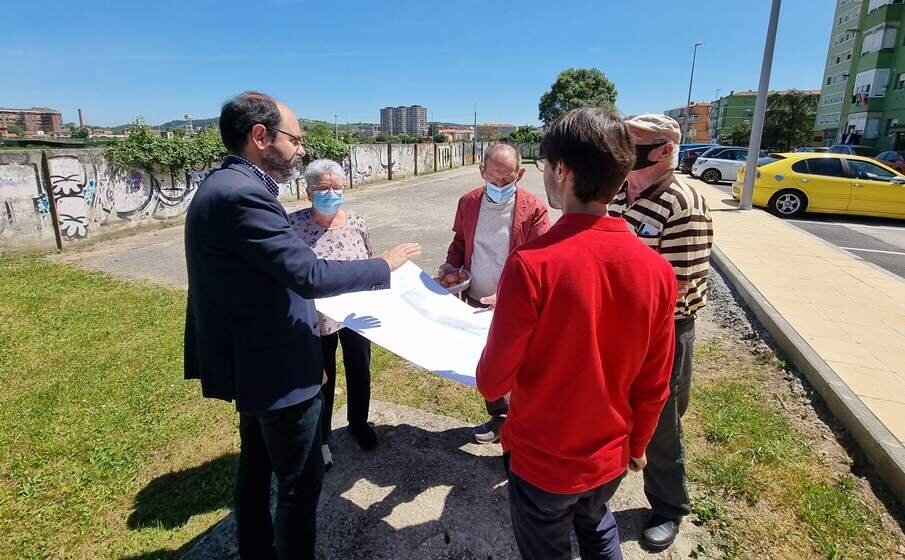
(170, 500)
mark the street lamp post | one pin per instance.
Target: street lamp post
(760, 109)
(694, 56)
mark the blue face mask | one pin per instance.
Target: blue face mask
(499, 194)
(327, 202)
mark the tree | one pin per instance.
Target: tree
(16, 129)
(574, 88)
(524, 135)
(80, 133)
(382, 137)
(789, 121)
(488, 133)
(148, 150)
(433, 129)
(439, 138)
(740, 135)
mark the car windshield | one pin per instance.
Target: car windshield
(709, 152)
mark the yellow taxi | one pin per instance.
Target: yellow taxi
(790, 184)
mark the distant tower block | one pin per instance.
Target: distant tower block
(189, 130)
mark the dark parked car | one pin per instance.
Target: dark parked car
(854, 150)
(687, 159)
(896, 160)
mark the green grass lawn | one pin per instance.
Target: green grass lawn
(108, 453)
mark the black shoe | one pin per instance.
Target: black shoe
(488, 432)
(365, 435)
(660, 532)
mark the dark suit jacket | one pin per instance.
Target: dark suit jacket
(250, 329)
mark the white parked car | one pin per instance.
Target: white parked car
(719, 164)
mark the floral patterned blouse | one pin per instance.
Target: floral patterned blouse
(347, 243)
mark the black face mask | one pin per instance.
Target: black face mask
(641, 153)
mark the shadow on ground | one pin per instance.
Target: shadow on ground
(426, 493)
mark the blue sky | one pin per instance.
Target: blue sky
(120, 59)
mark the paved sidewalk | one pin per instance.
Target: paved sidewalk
(850, 313)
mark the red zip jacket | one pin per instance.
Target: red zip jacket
(529, 220)
(582, 336)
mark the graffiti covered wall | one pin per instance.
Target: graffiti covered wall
(368, 162)
(456, 154)
(403, 160)
(24, 213)
(91, 197)
(425, 158)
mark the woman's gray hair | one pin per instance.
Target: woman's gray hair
(321, 167)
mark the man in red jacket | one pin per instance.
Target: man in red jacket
(582, 338)
(491, 221)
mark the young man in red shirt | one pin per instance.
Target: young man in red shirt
(582, 337)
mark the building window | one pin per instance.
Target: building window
(748, 112)
(900, 82)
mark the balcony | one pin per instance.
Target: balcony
(878, 59)
(887, 13)
(874, 104)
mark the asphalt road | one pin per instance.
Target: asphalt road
(876, 240)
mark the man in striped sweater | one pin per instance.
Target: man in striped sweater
(673, 219)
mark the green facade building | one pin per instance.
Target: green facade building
(728, 111)
(862, 97)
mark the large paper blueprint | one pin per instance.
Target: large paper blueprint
(418, 320)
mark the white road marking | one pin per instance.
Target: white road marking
(849, 225)
(873, 251)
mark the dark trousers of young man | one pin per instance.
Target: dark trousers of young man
(543, 521)
(664, 475)
(498, 409)
(357, 362)
(286, 443)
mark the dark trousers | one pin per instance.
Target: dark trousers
(542, 521)
(499, 408)
(357, 362)
(664, 475)
(286, 443)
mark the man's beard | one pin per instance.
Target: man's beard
(554, 198)
(279, 168)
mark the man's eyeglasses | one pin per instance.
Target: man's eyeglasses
(540, 163)
(296, 140)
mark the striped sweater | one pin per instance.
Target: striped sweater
(674, 220)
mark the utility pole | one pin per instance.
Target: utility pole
(694, 56)
(475, 131)
(760, 109)
(335, 126)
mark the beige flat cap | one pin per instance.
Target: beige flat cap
(661, 125)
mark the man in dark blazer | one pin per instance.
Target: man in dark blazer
(251, 334)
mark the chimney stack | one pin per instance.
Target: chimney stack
(81, 119)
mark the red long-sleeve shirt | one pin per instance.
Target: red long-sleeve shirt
(582, 336)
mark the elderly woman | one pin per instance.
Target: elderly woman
(335, 233)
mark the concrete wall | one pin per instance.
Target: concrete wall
(456, 154)
(368, 162)
(403, 160)
(91, 196)
(425, 158)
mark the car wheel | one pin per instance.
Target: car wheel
(788, 203)
(711, 176)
